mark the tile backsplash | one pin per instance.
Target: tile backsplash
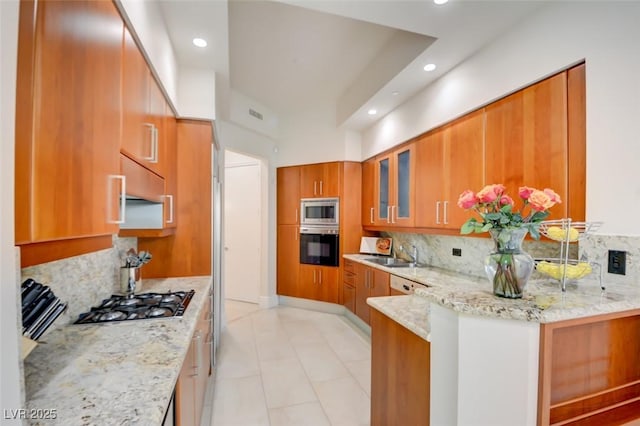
(436, 250)
(82, 281)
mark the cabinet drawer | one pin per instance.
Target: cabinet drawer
(349, 278)
(349, 266)
(141, 182)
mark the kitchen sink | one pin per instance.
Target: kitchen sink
(391, 262)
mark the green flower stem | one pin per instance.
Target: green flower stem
(506, 280)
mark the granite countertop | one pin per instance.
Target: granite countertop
(543, 300)
(412, 312)
(114, 373)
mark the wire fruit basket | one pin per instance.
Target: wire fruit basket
(563, 268)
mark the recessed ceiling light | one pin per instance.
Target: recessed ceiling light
(440, 1)
(200, 42)
(372, 112)
(430, 67)
(395, 93)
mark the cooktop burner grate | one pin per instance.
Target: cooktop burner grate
(140, 306)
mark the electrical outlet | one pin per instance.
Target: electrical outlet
(456, 252)
(617, 262)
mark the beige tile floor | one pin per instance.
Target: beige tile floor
(289, 366)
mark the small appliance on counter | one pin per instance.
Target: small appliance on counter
(140, 306)
(376, 245)
(40, 308)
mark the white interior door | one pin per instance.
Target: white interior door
(242, 218)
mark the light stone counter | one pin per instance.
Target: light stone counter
(114, 373)
(543, 301)
(412, 312)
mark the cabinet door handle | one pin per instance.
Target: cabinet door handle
(437, 212)
(196, 341)
(315, 186)
(388, 214)
(371, 214)
(155, 145)
(123, 197)
(296, 215)
(314, 276)
(152, 138)
(393, 214)
(170, 197)
(321, 188)
(446, 213)
(320, 274)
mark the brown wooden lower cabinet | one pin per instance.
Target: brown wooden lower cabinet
(349, 285)
(369, 282)
(288, 263)
(400, 374)
(590, 371)
(318, 283)
(194, 375)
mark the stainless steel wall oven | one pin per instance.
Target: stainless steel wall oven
(319, 245)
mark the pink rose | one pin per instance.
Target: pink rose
(506, 200)
(553, 195)
(487, 194)
(499, 189)
(525, 192)
(540, 201)
(467, 199)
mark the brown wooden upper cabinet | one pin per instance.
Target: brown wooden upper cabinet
(450, 160)
(143, 110)
(68, 128)
(369, 192)
(395, 187)
(534, 137)
(170, 169)
(527, 142)
(288, 188)
(320, 180)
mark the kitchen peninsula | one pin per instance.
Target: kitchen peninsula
(548, 358)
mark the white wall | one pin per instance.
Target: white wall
(239, 113)
(605, 34)
(146, 19)
(245, 141)
(10, 395)
(196, 93)
(311, 136)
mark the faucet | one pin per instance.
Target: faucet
(413, 255)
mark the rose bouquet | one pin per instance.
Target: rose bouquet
(508, 267)
(497, 209)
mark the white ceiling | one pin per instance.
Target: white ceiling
(352, 53)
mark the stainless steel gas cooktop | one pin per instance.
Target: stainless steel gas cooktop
(139, 306)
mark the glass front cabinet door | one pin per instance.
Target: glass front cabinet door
(395, 188)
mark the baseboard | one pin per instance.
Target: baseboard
(351, 319)
(358, 325)
(312, 305)
(267, 302)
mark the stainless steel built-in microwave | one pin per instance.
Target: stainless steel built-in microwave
(320, 211)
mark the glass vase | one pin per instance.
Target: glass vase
(508, 267)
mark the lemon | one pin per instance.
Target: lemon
(574, 272)
(559, 234)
